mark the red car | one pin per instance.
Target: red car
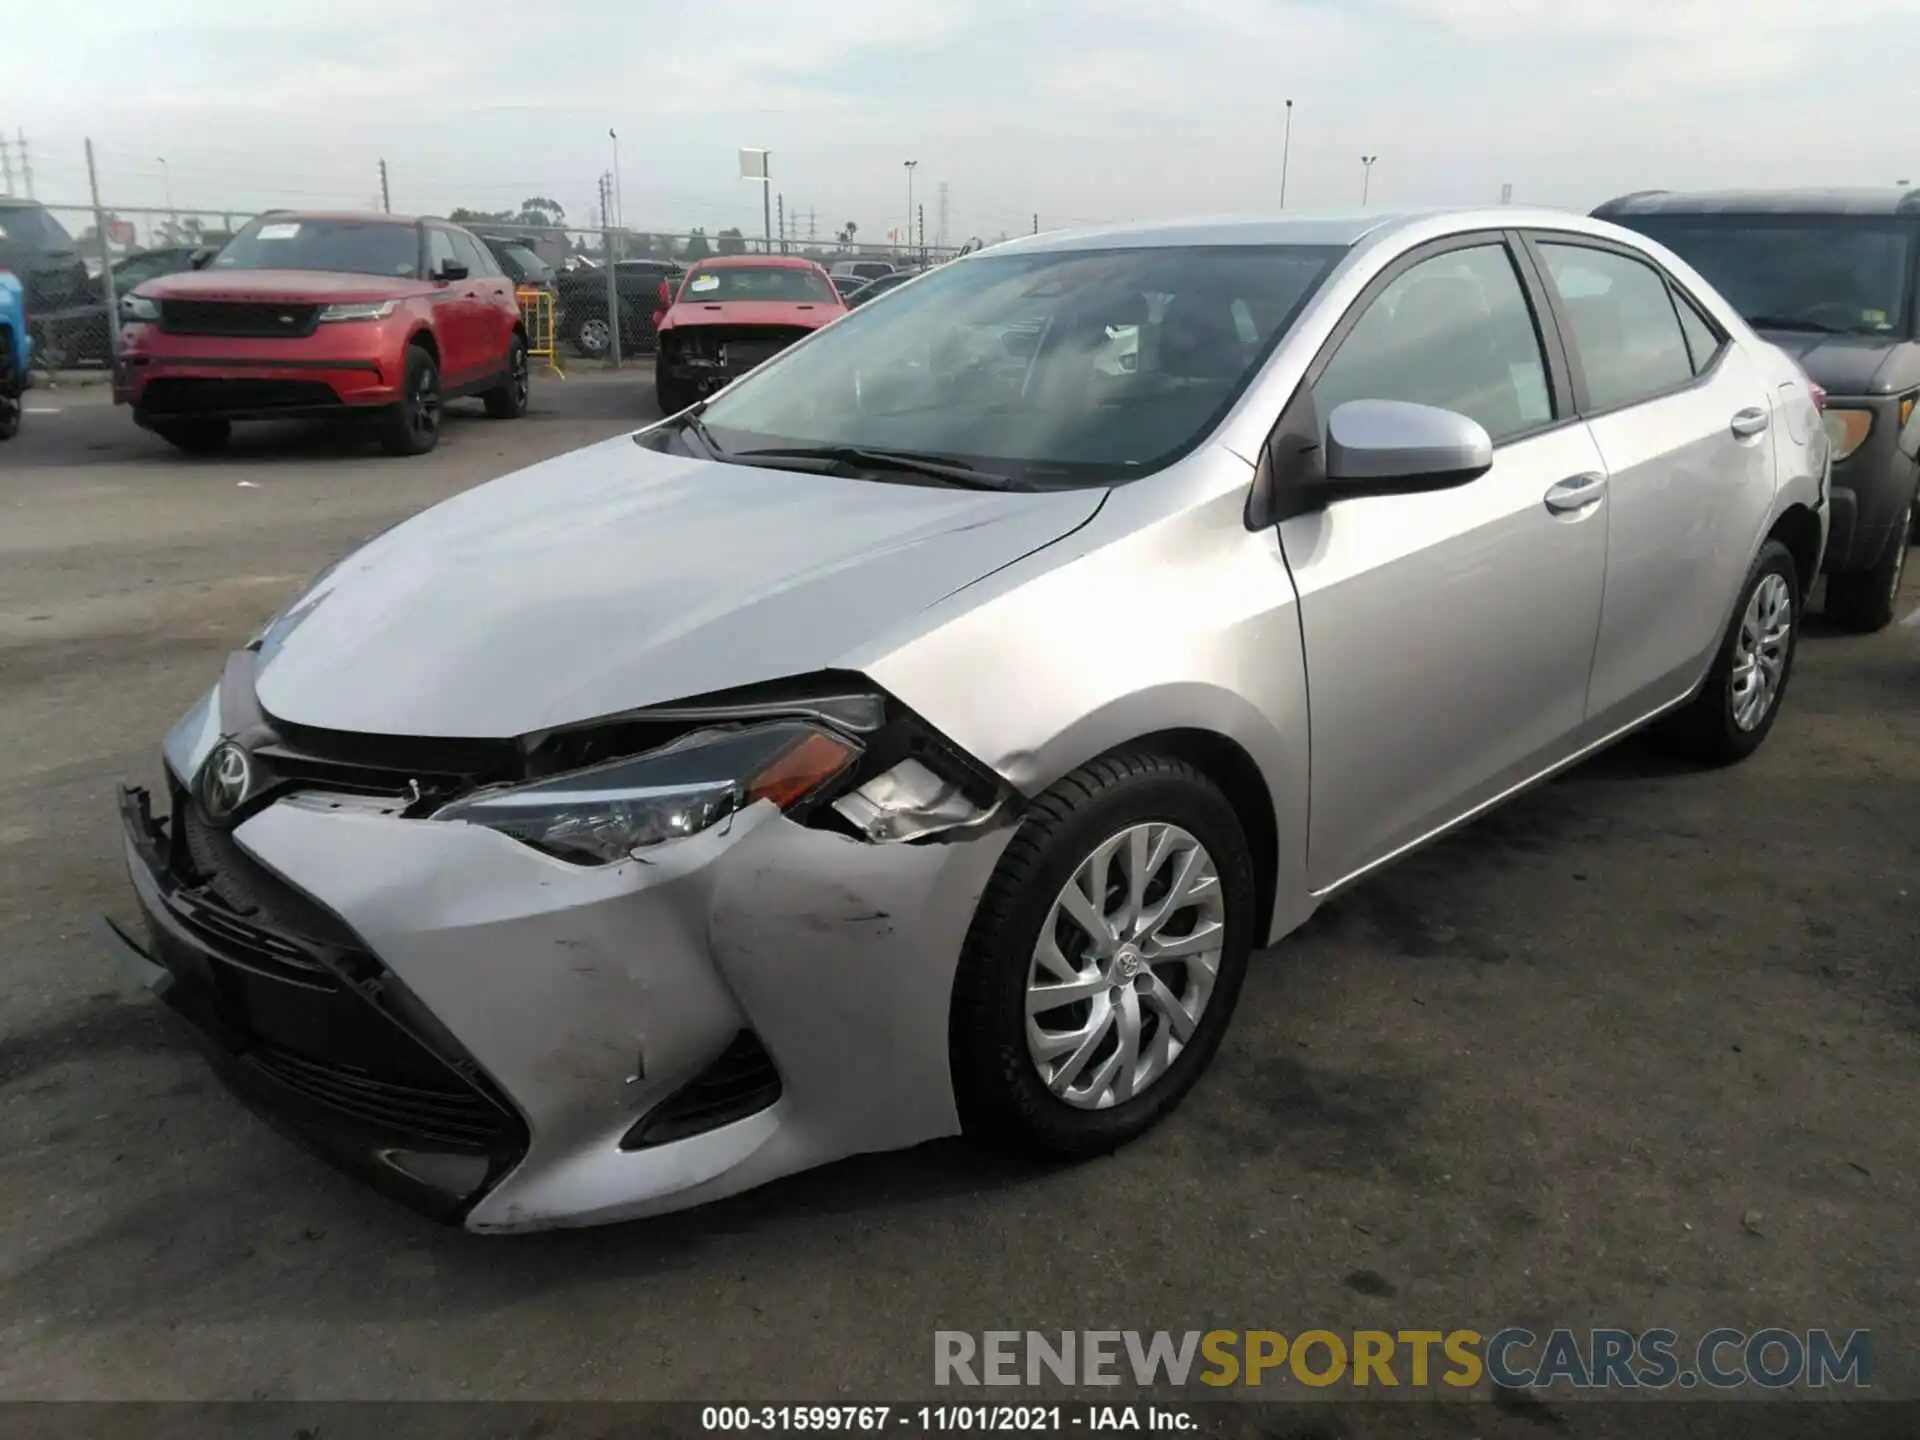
(732, 314)
(309, 315)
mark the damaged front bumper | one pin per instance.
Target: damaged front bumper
(742, 1004)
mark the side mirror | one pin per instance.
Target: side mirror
(453, 270)
(1392, 447)
(202, 257)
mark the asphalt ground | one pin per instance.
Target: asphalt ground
(1638, 1050)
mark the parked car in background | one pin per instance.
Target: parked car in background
(863, 269)
(330, 315)
(519, 261)
(36, 248)
(583, 300)
(914, 738)
(875, 288)
(1830, 277)
(733, 313)
(848, 286)
(16, 352)
(83, 334)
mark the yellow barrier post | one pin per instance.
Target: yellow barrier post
(543, 330)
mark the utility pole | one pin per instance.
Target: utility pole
(106, 250)
(911, 165)
(940, 227)
(26, 166)
(920, 217)
(1286, 150)
(811, 232)
(780, 204)
(1506, 194)
(1366, 178)
(1036, 222)
(6, 164)
(386, 199)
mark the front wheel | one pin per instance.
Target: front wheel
(1104, 961)
(1867, 600)
(508, 399)
(673, 395)
(412, 425)
(1740, 700)
(9, 416)
(593, 337)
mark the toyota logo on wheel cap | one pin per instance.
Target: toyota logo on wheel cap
(225, 781)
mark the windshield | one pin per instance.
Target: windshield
(1821, 273)
(354, 247)
(788, 284)
(30, 225)
(1061, 368)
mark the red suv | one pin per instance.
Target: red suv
(324, 315)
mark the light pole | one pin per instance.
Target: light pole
(1286, 148)
(1366, 177)
(619, 213)
(909, 230)
(166, 180)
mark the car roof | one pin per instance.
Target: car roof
(727, 262)
(1329, 229)
(1833, 200)
(377, 215)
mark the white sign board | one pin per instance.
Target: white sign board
(753, 164)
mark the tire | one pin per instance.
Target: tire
(508, 400)
(411, 426)
(997, 1080)
(673, 395)
(195, 437)
(1867, 600)
(1711, 728)
(593, 336)
(9, 416)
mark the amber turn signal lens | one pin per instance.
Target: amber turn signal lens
(1848, 430)
(802, 770)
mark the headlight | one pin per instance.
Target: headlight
(606, 813)
(359, 310)
(138, 307)
(1848, 430)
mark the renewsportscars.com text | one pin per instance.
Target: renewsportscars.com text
(1514, 1359)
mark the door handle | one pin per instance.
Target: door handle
(1749, 422)
(1577, 493)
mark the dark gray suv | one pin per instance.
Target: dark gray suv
(1829, 276)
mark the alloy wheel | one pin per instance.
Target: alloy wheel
(1760, 650)
(423, 408)
(595, 336)
(1124, 966)
(520, 377)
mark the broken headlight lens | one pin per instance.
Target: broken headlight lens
(608, 812)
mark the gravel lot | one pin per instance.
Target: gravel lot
(1639, 1050)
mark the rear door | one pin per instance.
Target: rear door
(1448, 635)
(498, 311)
(1681, 415)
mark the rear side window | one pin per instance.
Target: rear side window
(1703, 341)
(1455, 331)
(1625, 329)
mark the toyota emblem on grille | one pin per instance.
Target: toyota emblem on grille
(225, 781)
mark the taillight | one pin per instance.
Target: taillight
(1819, 396)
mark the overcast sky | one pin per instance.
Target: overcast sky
(1076, 109)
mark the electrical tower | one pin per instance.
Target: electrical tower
(6, 165)
(26, 165)
(940, 224)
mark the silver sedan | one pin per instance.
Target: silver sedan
(919, 735)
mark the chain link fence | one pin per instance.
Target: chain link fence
(599, 289)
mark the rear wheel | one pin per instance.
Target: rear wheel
(9, 416)
(593, 336)
(1866, 600)
(196, 437)
(673, 395)
(412, 425)
(1736, 707)
(1104, 961)
(508, 400)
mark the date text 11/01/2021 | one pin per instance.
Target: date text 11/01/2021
(926, 1419)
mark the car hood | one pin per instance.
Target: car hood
(276, 287)
(617, 577)
(1838, 364)
(812, 313)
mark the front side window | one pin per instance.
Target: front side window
(1455, 332)
(440, 252)
(1625, 329)
(1849, 274)
(785, 284)
(1056, 369)
(293, 242)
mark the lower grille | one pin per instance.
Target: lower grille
(237, 319)
(740, 1083)
(174, 395)
(445, 1118)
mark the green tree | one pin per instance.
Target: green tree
(538, 210)
(732, 242)
(697, 246)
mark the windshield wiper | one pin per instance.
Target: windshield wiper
(690, 420)
(1792, 322)
(957, 472)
